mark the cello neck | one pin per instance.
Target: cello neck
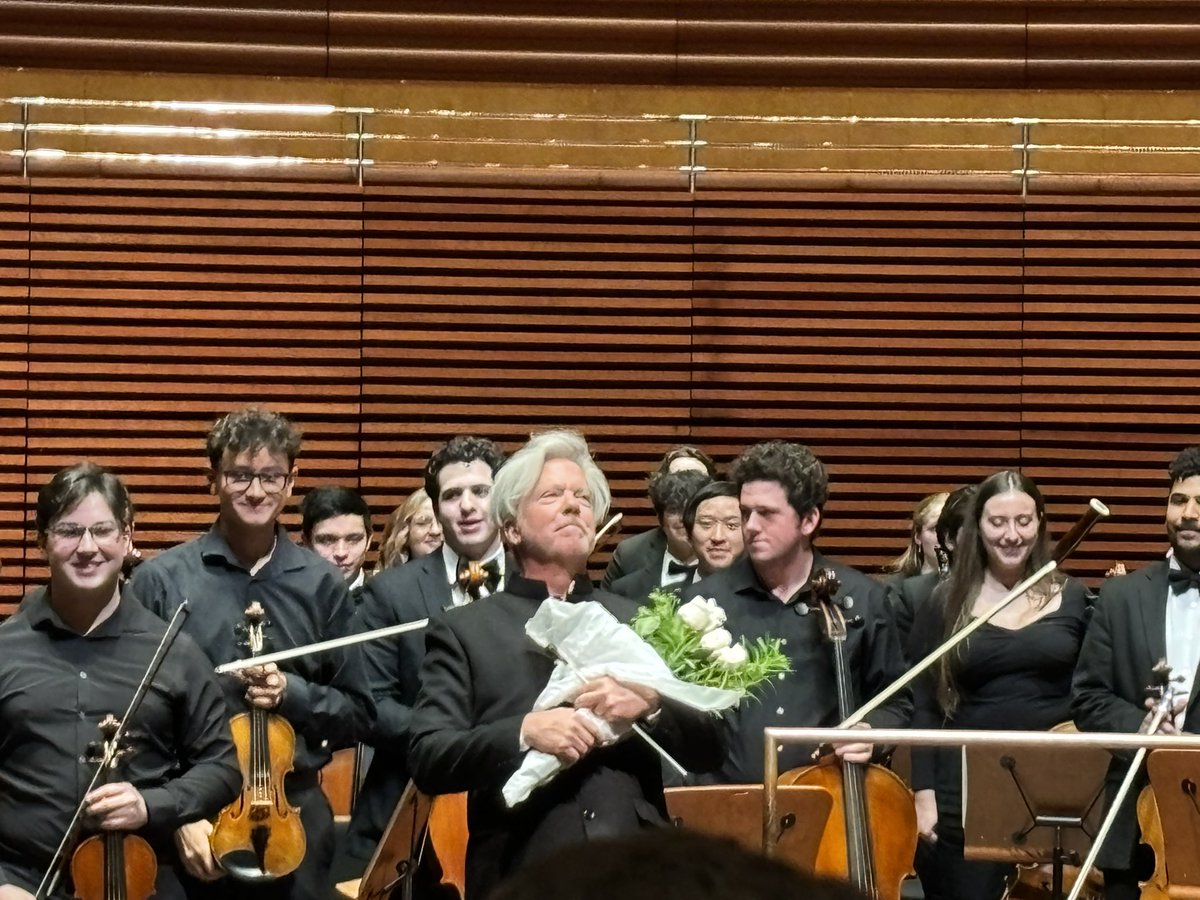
(860, 856)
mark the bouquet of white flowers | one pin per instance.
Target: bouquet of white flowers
(698, 650)
(589, 642)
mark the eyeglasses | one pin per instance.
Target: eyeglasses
(271, 482)
(68, 533)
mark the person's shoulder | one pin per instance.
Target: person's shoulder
(1130, 587)
(646, 542)
(619, 605)
(853, 581)
(393, 579)
(167, 560)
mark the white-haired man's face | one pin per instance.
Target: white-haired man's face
(555, 523)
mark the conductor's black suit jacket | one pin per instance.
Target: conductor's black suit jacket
(1125, 640)
(480, 677)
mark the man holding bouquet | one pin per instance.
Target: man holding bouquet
(482, 674)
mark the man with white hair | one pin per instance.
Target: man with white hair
(472, 722)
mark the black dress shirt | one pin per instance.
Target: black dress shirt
(55, 688)
(306, 600)
(806, 696)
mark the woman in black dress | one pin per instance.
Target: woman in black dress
(1013, 673)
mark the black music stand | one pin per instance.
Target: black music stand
(1175, 777)
(735, 811)
(1025, 806)
(395, 859)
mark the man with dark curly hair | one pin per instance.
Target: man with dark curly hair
(1141, 618)
(247, 556)
(782, 489)
(469, 566)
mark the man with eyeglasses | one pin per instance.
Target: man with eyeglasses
(469, 566)
(247, 556)
(336, 523)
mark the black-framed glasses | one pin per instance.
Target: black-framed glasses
(68, 533)
(241, 479)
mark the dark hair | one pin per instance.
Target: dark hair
(1185, 464)
(707, 492)
(250, 429)
(954, 515)
(793, 466)
(670, 493)
(957, 593)
(461, 449)
(68, 488)
(665, 864)
(324, 503)
(680, 451)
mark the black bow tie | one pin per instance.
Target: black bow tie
(678, 568)
(1183, 579)
(473, 576)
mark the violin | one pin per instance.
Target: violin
(259, 837)
(113, 865)
(871, 835)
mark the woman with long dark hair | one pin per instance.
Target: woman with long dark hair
(1013, 673)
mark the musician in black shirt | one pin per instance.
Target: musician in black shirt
(75, 653)
(247, 556)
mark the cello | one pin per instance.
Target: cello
(113, 865)
(871, 834)
(259, 837)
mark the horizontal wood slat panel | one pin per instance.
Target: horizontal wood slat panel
(878, 43)
(14, 383)
(916, 340)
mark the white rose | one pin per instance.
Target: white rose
(716, 640)
(702, 615)
(732, 657)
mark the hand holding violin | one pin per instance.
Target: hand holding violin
(118, 806)
(264, 685)
(1167, 725)
(195, 852)
(12, 892)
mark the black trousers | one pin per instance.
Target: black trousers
(313, 880)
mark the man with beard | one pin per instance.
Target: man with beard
(1141, 618)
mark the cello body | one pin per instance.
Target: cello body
(889, 810)
(1154, 887)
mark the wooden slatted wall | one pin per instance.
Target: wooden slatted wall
(851, 43)
(916, 341)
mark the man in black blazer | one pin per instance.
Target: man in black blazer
(481, 675)
(646, 550)
(676, 565)
(458, 477)
(1141, 618)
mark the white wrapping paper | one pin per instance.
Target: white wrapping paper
(589, 642)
